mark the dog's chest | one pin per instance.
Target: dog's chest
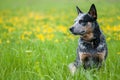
(89, 54)
(87, 48)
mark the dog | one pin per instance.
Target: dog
(92, 48)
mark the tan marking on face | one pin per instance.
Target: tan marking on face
(89, 32)
(89, 27)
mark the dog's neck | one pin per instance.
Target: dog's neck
(94, 42)
(95, 39)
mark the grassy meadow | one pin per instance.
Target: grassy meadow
(35, 42)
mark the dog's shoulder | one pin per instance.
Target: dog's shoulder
(102, 37)
(102, 45)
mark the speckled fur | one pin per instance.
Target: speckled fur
(92, 47)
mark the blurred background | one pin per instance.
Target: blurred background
(32, 17)
(35, 42)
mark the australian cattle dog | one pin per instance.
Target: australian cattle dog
(92, 47)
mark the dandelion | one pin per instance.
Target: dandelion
(108, 39)
(118, 53)
(62, 29)
(110, 20)
(37, 29)
(114, 28)
(71, 37)
(41, 37)
(0, 41)
(31, 14)
(27, 33)
(38, 17)
(50, 36)
(22, 37)
(1, 20)
(118, 17)
(48, 30)
(10, 29)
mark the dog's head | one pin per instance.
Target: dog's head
(84, 23)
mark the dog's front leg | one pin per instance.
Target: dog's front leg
(73, 66)
(101, 58)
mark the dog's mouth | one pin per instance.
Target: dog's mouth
(80, 33)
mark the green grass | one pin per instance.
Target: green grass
(32, 59)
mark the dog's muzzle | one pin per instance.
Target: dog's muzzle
(77, 33)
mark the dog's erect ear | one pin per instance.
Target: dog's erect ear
(93, 11)
(78, 10)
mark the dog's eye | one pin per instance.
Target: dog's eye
(80, 21)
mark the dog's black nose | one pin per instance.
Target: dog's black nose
(71, 29)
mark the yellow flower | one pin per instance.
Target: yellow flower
(31, 14)
(71, 37)
(1, 20)
(41, 37)
(0, 41)
(110, 20)
(48, 30)
(118, 17)
(27, 33)
(62, 29)
(108, 39)
(50, 36)
(118, 53)
(22, 37)
(10, 29)
(37, 29)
